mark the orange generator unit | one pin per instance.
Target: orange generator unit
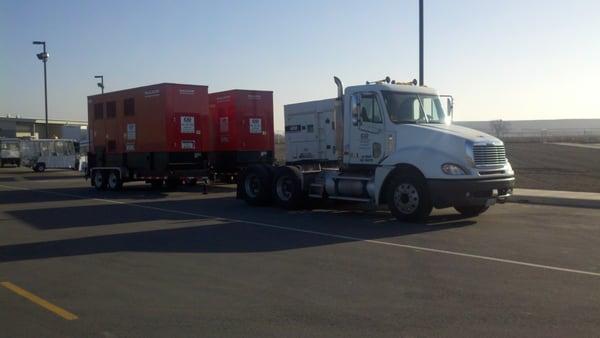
(158, 133)
(243, 128)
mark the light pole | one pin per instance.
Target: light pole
(421, 71)
(101, 83)
(43, 56)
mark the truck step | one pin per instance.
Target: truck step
(316, 190)
(354, 199)
(353, 178)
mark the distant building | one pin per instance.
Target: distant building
(35, 128)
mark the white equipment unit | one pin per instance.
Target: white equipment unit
(10, 151)
(310, 131)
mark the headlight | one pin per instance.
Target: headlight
(453, 169)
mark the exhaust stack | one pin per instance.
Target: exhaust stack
(340, 87)
(339, 119)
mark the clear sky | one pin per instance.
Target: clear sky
(500, 59)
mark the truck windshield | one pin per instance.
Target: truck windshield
(414, 108)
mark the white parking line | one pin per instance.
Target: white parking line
(327, 234)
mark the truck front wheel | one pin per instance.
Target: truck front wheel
(408, 198)
(255, 184)
(472, 211)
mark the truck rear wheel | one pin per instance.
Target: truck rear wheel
(114, 181)
(408, 198)
(287, 188)
(99, 180)
(255, 185)
(472, 211)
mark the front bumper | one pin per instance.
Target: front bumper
(447, 193)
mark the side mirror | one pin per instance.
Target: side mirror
(449, 105)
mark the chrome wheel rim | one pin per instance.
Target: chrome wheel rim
(406, 198)
(284, 188)
(252, 185)
(98, 180)
(112, 180)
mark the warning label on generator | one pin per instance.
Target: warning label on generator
(187, 125)
(131, 131)
(224, 124)
(255, 126)
(188, 145)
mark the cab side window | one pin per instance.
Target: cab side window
(369, 108)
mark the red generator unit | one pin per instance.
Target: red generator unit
(153, 133)
(243, 128)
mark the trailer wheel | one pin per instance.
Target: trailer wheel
(114, 181)
(99, 180)
(287, 188)
(255, 185)
(471, 211)
(408, 198)
(173, 183)
(156, 184)
(40, 167)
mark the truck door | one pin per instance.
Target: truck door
(367, 136)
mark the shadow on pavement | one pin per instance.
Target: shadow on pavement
(95, 215)
(52, 177)
(261, 230)
(137, 191)
(222, 238)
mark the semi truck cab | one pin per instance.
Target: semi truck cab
(388, 143)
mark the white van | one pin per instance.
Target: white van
(50, 154)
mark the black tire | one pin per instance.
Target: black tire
(287, 188)
(40, 167)
(173, 183)
(408, 198)
(471, 211)
(254, 185)
(99, 180)
(114, 181)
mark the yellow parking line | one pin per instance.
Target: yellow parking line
(39, 301)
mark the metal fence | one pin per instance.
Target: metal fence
(580, 135)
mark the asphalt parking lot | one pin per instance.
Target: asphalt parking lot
(156, 263)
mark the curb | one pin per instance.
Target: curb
(555, 201)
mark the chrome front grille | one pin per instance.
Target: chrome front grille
(489, 155)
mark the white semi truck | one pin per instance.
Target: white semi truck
(383, 143)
